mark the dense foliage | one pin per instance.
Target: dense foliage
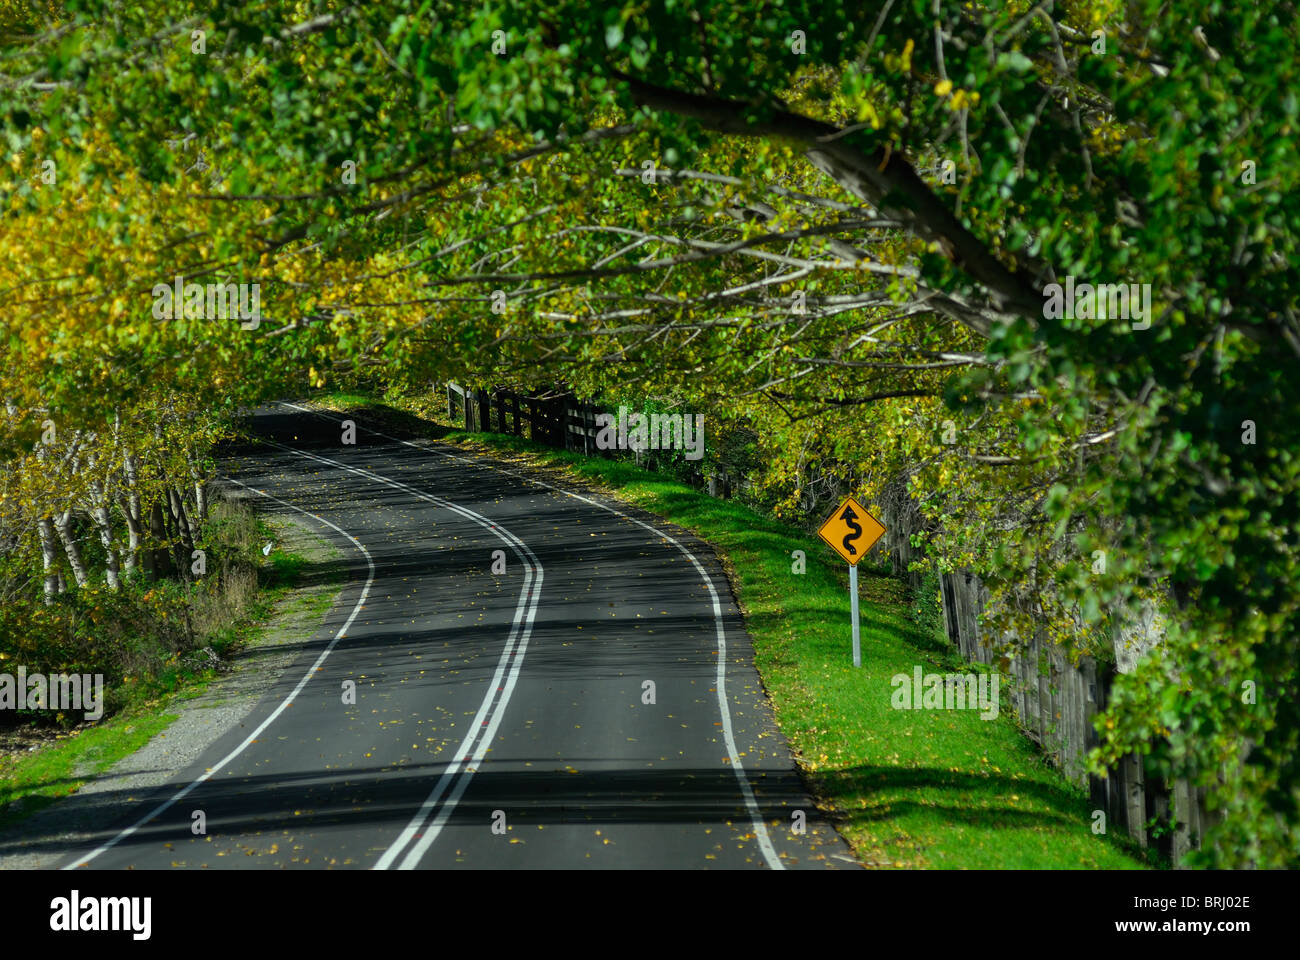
(835, 223)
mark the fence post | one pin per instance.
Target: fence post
(566, 422)
(1134, 799)
(560, 422)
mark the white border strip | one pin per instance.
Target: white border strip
(756, 817)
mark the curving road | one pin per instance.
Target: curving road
(498, 719)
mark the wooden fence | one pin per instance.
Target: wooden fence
(541, 419)
(1054, 702)
(559, 420)
(1053, 699)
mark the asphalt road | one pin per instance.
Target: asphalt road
(499, 719)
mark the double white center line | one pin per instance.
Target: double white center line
(483, 730)
(761, 834)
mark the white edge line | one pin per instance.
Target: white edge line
(311, 671)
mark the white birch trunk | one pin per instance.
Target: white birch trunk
(63, 526)
(49, 557)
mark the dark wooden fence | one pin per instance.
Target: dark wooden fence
(559, 420)
(538, 418)
(1053, 699)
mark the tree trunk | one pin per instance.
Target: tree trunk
(200, 493)
(158, 540)
(178, 534)
(102, 520)
(183, 521)
(131, 554)
(129, 503)
(49, 557)
(63, 525)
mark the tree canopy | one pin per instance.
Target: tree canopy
(839, 224)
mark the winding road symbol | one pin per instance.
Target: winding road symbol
(851, 521)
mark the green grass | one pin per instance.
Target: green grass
(65, 766)
(285, 570)
(907, 788)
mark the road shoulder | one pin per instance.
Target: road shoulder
(46, 839)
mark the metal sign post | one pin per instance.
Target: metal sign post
(853, 612)
(851, 540)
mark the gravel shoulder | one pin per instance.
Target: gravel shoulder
(46, 839)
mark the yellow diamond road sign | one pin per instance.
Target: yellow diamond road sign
(851, 531)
